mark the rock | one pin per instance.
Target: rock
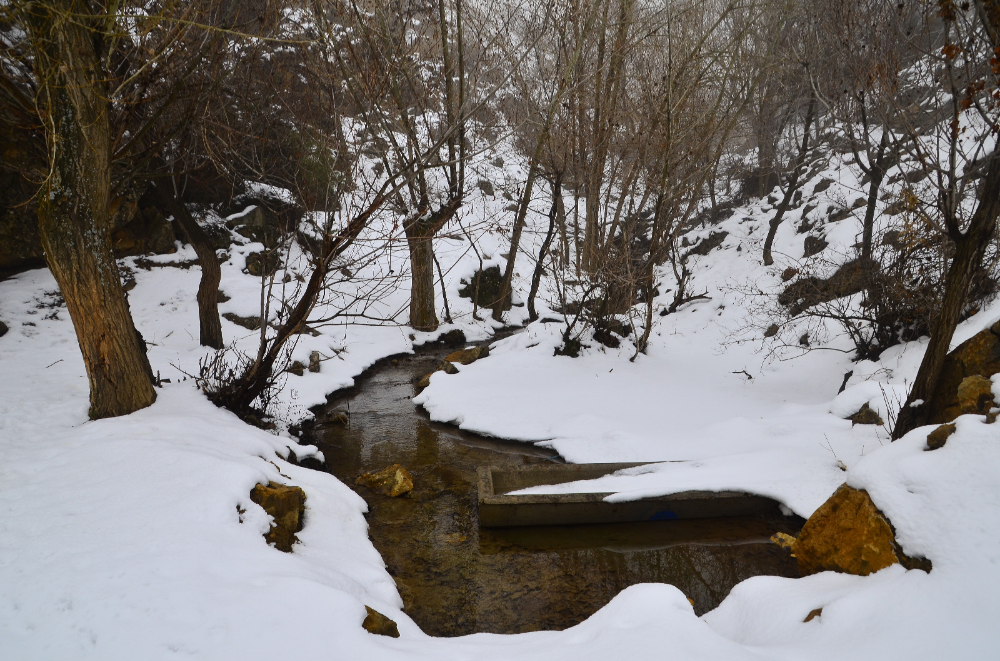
(262, 263)
(253, 216)
(937, 438)
(975, 394)
(849, 279)
(607, 338)
(486, 187)
(391, 481)
(340, 418)
(823, 184)
(814, 245)
(424, 381)
(866, 416)
(250, 323)
(287, 506)
(379, 624)
(837, 216)
(789, 273)
(447, 367)
(148, 231)
(3, 329)
(297, 368)
(268, 235)
(485, 286)
(977, 356)
(708, 244)
(453, 338)
(783, 539)
(848, 534)
(314, 360)
(466, 356)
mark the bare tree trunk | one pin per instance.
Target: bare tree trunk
(210, 326)
(73, 211)
(793, 185)
(877, 174)
(536, 277)
(970, 248)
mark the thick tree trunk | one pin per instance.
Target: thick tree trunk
(423, 316)
(210, 325)
(970, 248)
(73, 209)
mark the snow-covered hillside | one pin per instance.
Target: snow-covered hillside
(124, 538)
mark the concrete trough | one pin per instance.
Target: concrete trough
(498, 509)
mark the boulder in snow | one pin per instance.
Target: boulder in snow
(379, 624)
(848, 534)
(977, 356)
(287, 506)
(466, 356)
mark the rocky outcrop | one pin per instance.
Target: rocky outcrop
(287, 506)
(379, 624)
(708, 244)
(391, 481)
(849, 279)
(848, 534)
(959, 390)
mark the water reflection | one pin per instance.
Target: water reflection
(456, 579)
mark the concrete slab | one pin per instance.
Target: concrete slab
(498, 509)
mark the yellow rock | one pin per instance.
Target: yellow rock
(975, 394)
(466, 356)
(379, 624)
(286, 505)
(391, 481)
(937, 438)
(846, 534)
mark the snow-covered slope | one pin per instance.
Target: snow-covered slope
(123, 539)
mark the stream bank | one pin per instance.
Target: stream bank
(456, 578)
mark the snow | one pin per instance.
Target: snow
(123, 538)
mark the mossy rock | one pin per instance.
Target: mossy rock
(486, 283)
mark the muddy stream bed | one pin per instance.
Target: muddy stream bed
(456, 578)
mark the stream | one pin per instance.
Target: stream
(456, 578)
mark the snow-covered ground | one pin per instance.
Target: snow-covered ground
(123, 538)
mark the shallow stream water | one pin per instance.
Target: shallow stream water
(456, 578)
